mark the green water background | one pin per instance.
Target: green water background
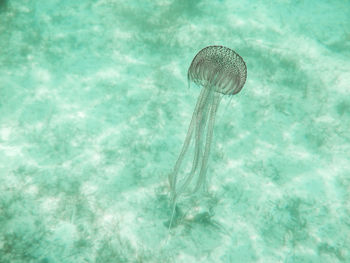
(94, 108)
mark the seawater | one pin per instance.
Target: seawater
(94, 108)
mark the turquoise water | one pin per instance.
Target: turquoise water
(94, 108)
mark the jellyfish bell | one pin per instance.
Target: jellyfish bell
(219, 67)
(218, 71)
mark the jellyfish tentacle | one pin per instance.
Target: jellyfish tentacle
(209, 136)
(199, 126)
(201, 117)
(173, 176)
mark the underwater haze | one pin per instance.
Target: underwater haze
(95, 107)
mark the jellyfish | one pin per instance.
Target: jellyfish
(218, 71)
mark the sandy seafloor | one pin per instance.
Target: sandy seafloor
(94, 108)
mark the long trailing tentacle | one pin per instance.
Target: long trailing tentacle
(186, 144)
(202, 117)
(204, 166)
(198, 122)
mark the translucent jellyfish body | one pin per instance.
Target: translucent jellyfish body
(218, 71)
